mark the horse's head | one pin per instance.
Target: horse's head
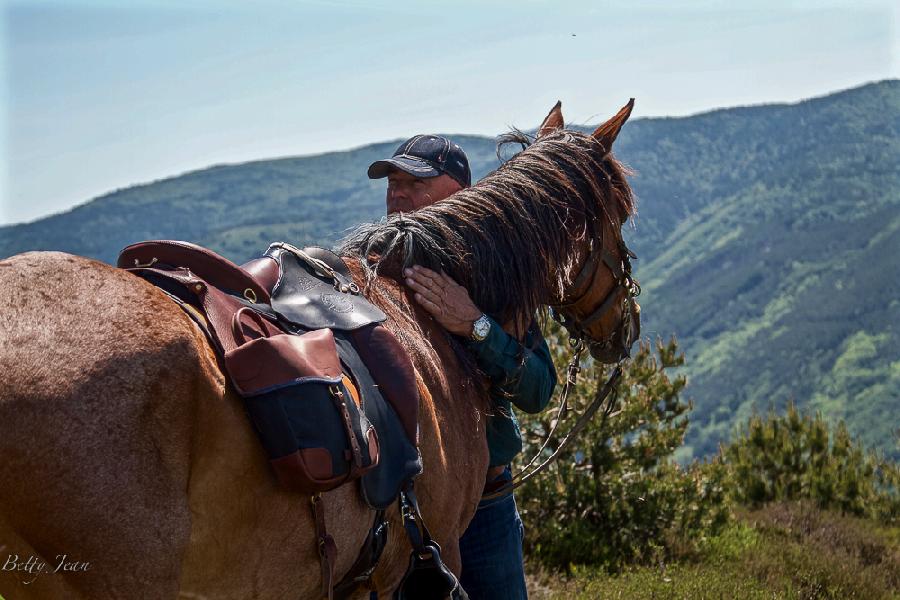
(594, 297)
(545, 228)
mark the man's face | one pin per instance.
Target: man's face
(407, 193)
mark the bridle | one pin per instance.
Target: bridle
(617, 345)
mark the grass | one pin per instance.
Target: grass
(790, 551)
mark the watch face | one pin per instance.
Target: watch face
(481, 328)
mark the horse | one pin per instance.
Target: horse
(129, 469)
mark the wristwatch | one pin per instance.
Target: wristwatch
(481, 328)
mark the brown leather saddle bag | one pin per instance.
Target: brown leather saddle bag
(305, 411)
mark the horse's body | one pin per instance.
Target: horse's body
(128, 468)
(145, 466)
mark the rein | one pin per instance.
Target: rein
(602, 394)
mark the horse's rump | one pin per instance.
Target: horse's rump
(123, 451)
(87, 423)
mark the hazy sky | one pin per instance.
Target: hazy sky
(103, 94)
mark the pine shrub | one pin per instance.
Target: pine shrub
(797, 456)
(614, 496)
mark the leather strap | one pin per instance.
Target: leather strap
(571, 376)
(601, 395)
(327, 547)
(588, 270)
(369, 555)
(340, 402)
(237, 330)
(601, 310)
(409, 510)
(427, 577)
(493, 483)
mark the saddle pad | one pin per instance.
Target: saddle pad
(399, 459)
(311, 301)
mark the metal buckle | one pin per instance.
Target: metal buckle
(140, 265)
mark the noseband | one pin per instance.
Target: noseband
(618, 343)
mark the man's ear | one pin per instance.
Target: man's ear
(553, 121)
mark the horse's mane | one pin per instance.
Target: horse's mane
(508, 238)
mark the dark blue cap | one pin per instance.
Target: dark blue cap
(426, 156)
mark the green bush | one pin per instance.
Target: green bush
(796, 456)
(614, 497)
(615, 500)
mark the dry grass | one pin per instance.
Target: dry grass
(790, 551)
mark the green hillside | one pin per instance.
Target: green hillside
(769, 240)
(772, 245)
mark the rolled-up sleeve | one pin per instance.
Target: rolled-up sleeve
(522, 373)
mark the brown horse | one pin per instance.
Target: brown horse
(129, 469)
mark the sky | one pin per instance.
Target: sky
(100, 95)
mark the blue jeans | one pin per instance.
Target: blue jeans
(491, 550)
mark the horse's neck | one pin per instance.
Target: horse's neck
(442, 365)
(505, 278)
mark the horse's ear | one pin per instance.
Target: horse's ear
(607, 133)
(553, 120)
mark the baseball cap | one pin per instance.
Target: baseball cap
(426, 156)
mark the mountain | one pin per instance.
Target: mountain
(768, 236)
(771, 238)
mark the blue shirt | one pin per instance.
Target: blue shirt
(519, 374)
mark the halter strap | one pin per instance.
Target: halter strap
(588, 270)
(598, 312)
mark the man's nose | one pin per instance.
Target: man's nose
(398, 192)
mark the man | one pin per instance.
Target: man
(426, 169)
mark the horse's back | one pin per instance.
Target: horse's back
(101, 374)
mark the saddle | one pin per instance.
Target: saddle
(294, 318)
(330, 391)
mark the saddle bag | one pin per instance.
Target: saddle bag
(316, 423)
(304, 409)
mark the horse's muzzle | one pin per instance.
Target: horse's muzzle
(619, 345)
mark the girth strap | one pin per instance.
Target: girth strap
(327, 547)
(367, 560)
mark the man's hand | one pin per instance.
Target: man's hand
(447, 301)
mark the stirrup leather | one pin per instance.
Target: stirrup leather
(427, 576)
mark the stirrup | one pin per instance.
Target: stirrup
(427, 576)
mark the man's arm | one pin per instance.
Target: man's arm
(522, 373)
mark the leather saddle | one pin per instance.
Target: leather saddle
(314, 290)
(310, 293)
(214, 269)
(296, 291)
(310, 287)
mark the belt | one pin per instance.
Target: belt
(494, 482)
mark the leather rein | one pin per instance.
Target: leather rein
(579, 341)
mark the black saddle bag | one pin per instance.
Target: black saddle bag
(305, 411)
